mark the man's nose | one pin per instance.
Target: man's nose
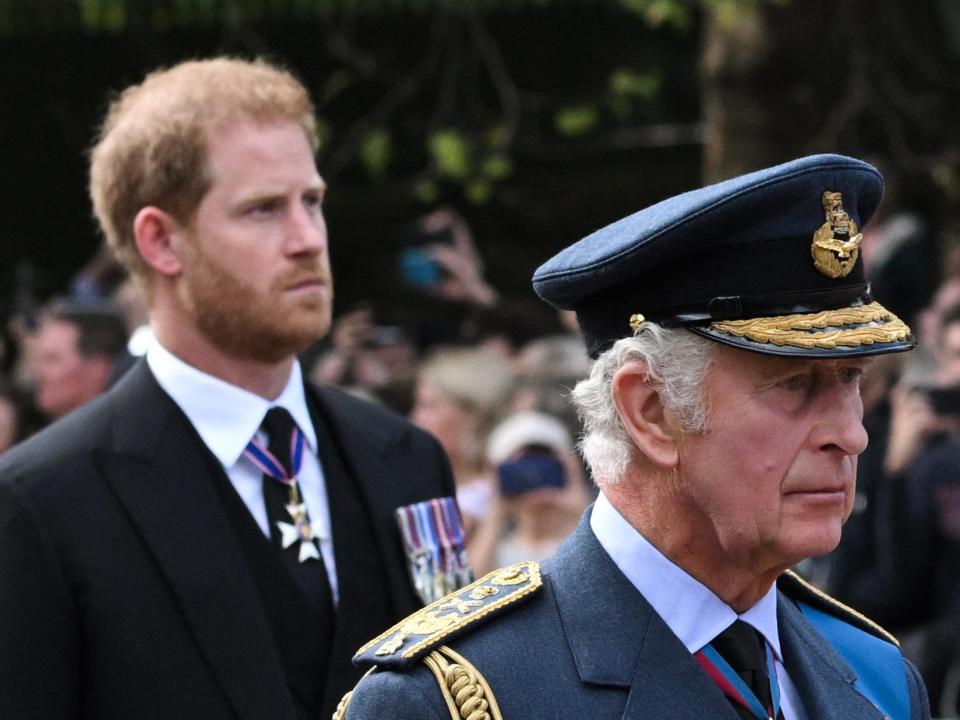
(840, 422)
(306, 231)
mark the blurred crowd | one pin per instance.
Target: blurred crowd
(493, 386)
(494, 390)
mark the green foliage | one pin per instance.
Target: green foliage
(731, 12)
(576, 120)
(628, 83)
(103, 15)
(426, 191)
(453, 117)
(450, 154)
(497, 167)
(478, 191)
(657, 13)
(376, 151)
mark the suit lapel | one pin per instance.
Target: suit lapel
(617, 640)
(158, 470)
(823, 679)
(385, 480)
(372, 460)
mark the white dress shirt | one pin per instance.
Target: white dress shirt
(226, 417)
(691, 610)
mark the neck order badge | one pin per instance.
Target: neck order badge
(299, 530)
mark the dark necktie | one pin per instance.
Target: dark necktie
(745, 650)
(310, 574)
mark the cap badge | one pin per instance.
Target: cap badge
(836, 244)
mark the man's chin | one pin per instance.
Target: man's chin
(276, 347)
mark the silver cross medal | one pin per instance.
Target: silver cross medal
(300, 531)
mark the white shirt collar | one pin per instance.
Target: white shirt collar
(690, 609)
(224, 415)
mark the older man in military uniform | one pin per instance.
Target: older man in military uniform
(731, 327)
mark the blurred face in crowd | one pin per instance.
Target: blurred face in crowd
(771, 479)
(445, 418)
(65, 378)
(256, 281)
(948, 371)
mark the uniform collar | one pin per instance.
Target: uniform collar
(690, 609)
(224, 415)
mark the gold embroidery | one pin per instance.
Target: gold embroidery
(461, 606)
(465, 691)
(835, 256)
(484, 591)
(419, 624)
(456, 611)
(509, 576)
(872, 324)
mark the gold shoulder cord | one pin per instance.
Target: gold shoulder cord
(844, 608)
(341, 712)
(466, 692)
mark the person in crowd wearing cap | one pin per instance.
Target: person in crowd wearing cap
(212, 538)
(722, 422)
(540, 491)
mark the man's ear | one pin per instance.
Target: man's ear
(644, 416)
(159, 239)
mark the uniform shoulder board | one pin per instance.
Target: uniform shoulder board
(468, 607)
(799, 589)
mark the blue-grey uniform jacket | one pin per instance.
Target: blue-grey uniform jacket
(587, 645)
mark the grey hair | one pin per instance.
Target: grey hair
(677, 362)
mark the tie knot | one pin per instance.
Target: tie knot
(279, 425)
(741, 646)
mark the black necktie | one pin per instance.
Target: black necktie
(744, 649)
(310, 575)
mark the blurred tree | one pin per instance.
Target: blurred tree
(781, 79)
(540, 119)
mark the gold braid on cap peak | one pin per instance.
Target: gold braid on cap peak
(848, 327)
(464, 689)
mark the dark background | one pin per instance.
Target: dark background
(596, 108)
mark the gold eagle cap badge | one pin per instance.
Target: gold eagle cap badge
(836, 244)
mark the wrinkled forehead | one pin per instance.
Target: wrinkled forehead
(765, 367)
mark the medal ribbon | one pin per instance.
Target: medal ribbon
(433, 539)
(733, 686)
(269, 465)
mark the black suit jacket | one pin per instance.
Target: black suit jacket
(123, 589)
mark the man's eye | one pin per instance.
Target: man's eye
(850, 375)
(264, 208)
(797, 382)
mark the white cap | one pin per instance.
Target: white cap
(524, 429)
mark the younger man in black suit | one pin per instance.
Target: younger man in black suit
(173, 550)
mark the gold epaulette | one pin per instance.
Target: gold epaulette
(341, 712)
(465, 691)
(795, 585)
(423, 631)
